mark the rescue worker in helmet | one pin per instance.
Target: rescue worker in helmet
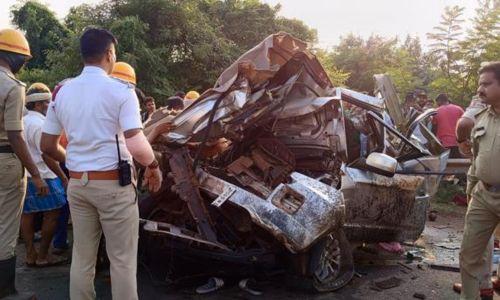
(14, 155)
(190, 97)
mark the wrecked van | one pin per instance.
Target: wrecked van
(274, 166)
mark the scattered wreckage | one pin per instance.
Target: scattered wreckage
(276, 166)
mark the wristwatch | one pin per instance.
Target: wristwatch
(154, 164)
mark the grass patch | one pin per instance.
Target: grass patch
(443, 199)
(447, 191)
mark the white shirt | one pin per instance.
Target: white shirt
(92, 108)
(33, 123)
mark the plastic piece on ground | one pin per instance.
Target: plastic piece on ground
(460, 200)
(392, 247)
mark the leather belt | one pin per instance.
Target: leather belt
(491, 188)
(6, 149)
(96, 175)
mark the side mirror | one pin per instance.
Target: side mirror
(382, 164)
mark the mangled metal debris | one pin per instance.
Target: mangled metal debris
(274, 165)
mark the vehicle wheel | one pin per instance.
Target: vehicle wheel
(331, 262)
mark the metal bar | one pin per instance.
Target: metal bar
(186, 185)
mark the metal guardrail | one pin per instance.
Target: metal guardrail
(458, 165)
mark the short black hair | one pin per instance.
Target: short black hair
(442, 98)
(94, 43)
(175, 102)
(149, 99)
(180, 94)
(140, 95)
(30, 105)
(409, 97)
(493, 67)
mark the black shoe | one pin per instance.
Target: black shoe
(7, 277)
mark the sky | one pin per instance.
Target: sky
(335, 18)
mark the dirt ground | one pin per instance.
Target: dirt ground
(438, 245)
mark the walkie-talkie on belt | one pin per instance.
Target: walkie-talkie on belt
(124, 169)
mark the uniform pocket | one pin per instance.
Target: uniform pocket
(11, 171)
(483, 139)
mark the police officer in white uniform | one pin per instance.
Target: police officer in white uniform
(95, 111)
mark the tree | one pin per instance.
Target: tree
(43, 30)
(459, 56)
(363, 58)
(482, 42)
(337, 77)
(446, 39)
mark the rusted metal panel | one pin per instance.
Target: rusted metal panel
(379, 208)
(186, 186)
(320, 212)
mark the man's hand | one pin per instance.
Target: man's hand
(469, 198)
(465, 148)
(158, 130)
(41, 186)
(153, 178)
(65, 182)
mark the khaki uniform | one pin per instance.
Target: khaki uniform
(103, 206)
(483, 213)
(98, 206)
(12, 175)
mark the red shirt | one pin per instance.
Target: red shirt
(446, 121)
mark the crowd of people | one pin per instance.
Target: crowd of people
(78, 145)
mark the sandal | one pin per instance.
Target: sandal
(213, 284)
(50, 263)
(250, 286)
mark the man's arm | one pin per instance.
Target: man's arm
(472, 179)
(16, 141)
(462, 132)
(56, 168)
(13, 124)
(49, 144)
(137, 143)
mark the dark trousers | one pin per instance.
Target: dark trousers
(454, 152)
(61, 235)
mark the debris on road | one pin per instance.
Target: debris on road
(389, 283)
(405, 266)
(419, 296)
(449, 268)
(432, 215)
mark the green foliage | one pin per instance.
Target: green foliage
(183, 45)
(337, 77)
(362, 59)
(43, 30)
(173, 45)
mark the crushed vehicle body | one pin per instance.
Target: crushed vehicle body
(276, 166)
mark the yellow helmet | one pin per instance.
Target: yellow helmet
(38, 92)
(38, 87)
(12, 40)
(124, 71)
(192, 95)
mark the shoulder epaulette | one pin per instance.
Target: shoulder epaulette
(11, 76)
(480, 112)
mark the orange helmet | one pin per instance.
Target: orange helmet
(12, 40)
(192, 95)
(124, 71)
